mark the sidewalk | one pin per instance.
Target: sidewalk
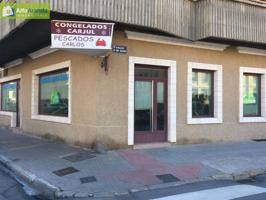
(60, 170)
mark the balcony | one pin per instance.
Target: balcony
(239, 22)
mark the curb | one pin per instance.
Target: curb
(166, 185)
(231, 177)
(45, 188)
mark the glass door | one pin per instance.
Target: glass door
(150, 105)
(18, 104)
(143, 106)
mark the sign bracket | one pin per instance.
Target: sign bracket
(104, 62)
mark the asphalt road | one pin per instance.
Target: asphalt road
(11, 189)
(254, 189)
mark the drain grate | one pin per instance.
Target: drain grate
(65, 171)
(88, 179)
(247, 181)
(167, 178)
(16, 159)
(80, 156)
(259, 140)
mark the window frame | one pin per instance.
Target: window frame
(212, 93)
(35, 115)
(13, 115)
(17, 96)
(259, 89)
(262, 73)
(39, 90)
(217, 117)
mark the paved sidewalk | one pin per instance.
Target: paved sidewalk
(60, 170)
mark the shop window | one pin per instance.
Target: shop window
(251, 95)
(202, 93)
(9, 96)
(53, 93)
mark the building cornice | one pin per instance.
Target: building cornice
(260, 3)
(174, 41)
(251, 51)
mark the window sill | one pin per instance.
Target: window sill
(210, 120)
(252, 119)
(7, 113)
(63, 120)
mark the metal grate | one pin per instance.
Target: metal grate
(65, 171)
(167, 178)
(259, 140)
(247, 181)
(80, 156)
(88, 179)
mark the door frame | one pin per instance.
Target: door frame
(171, 97)
(18, 118)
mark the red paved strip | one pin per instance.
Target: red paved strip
(147, 168)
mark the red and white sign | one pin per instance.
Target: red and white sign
(81, 35)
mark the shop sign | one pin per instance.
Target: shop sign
(81, 35)
(119, 49)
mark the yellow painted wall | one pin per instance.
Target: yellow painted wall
(99, 100)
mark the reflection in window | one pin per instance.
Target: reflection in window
(202, 93)
(151, 73)
(53, 93)
(160, 106)
(251, 95)
(9, 96)
(143, 105)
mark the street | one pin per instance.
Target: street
(132, 100)
(253, 189)
(11, 189)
